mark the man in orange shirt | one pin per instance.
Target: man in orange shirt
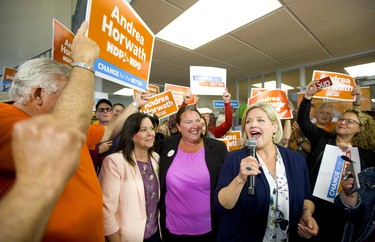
(48, 139)
(43, 86)
(324, 115)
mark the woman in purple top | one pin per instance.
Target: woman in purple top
(189, 167)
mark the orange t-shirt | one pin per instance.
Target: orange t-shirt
(329, 127)
(78, 215)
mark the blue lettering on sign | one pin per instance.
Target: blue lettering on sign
(335, 180)
(119, 74)
(207, 78)
(220, 104)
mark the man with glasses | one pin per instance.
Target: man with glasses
(104, 114)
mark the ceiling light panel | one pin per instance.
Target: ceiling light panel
(209, 19)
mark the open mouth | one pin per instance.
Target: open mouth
(255, 134)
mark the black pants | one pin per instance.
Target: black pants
(153, 238)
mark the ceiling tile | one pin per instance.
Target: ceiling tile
(347, 30)
(320, 13)
(158, 10)
(224, 48)
(166, 52)
(253, 58)
(273, 28)
(183, 4)
(306, 58)
(355, 45)
(266, 68)
(292, 47)
(194, 59)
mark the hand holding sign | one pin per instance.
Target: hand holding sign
(84, 49)
(323, 83)
(226, 96)
(311, 89)
(142, 98)
(187, 96)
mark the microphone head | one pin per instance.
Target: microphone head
(251, 143)
(346, 158)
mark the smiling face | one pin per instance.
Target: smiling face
(260, 127)
(190, 126)
(348, 124)
(144, 138)
(324, 115)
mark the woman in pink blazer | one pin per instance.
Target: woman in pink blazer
(130, 184)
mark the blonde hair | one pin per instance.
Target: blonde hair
(272, 115)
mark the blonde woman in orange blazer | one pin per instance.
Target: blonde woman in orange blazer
(130, 184)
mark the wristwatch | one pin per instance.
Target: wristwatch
(136, 105)
(302, 140)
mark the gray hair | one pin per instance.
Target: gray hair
(272, 115)
(41, 72)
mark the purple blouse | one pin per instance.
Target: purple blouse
(151, 186)
(187, 198)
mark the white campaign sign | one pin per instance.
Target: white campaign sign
(331, 169)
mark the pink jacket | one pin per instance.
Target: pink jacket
(124, 197)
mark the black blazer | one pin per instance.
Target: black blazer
(215, 152)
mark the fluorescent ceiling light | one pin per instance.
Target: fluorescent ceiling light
(272, 85)
(209, 19)
(361, 70)
(125, 92)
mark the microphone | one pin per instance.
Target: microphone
(354, 175)
(251, 144)
(345, 158)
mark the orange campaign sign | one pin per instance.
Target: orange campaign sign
(341, 88)
(178, 93)
(162, 105)
(255, 91)
(234, 140)
(341, 106)
(125, 42)
(151, 88)
(62, 40)
(8, 75)
(277, 98)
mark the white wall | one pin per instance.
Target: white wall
(26, 27)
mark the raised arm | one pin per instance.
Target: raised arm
(114, 126)
(223, 128)
(74, 106)
(357, 93)
(287, 127)
(311, 131)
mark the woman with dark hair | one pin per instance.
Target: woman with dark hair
(189, 168)
(129, 180)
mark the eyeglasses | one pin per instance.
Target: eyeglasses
(347, 121)
(101, 110)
